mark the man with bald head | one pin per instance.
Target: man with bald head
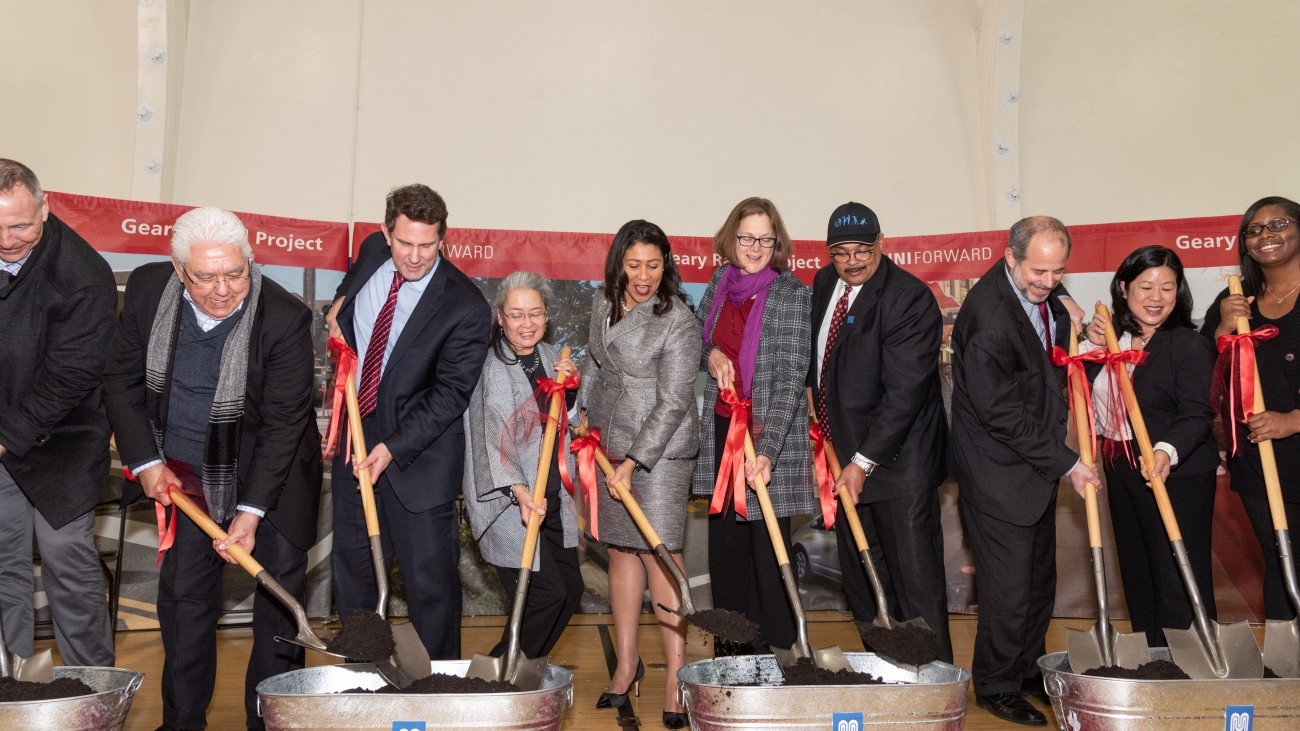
(1008, 444)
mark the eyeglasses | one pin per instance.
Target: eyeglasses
(1277, 224)
(861, 254)
(517, 316)
(766, 242)
(207, 281)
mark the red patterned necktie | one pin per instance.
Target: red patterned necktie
(1047, 325)
(837, 320)
(368, 392)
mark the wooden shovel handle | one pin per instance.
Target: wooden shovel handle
(1083, 428)
(214, 531)
(764, 500)
(544, 468)
(625, 495)
(846, 500)
(1272, 483)
(359, 454)
(1140, 433)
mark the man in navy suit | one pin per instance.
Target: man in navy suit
(1008, 444)
(420, 328)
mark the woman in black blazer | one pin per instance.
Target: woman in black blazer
(1152, 308)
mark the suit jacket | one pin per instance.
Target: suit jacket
(427, 382)
(882, 381)
(58, 316)
(279, 450)
(1008, 407)
(503, 444)
(780, 427)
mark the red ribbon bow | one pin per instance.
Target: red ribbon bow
(1241, 373)
(730, 484)
(343, 371)
(553, 389)
(585, 448)
(1112, 362)
(825, 480)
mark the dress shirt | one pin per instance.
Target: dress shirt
(370, 300)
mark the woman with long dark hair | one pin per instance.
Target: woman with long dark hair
(1151, 307)
(1269, 253)
(639, 389)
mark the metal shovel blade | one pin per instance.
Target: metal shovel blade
(1282, 647)
(886, 622)
(410, 661)
(38, 668)
(527, 674)
(1229, 652)
(1085, 648)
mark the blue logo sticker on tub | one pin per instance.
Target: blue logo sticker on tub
(409, 726)
(1239, 718)
(846, 722)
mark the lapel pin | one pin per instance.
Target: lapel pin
(850, 320)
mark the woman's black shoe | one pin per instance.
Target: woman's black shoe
(616, 700)
(675, 720)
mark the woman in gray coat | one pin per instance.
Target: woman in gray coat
(502, 445)
(639, 389)
(754, 325)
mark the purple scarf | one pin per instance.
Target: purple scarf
(738, 287)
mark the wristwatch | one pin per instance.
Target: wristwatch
(867, 465)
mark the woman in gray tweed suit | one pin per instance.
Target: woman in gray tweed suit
(639, 389)
(754, 323)
(503, 440)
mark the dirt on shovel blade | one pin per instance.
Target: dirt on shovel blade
(446, 684)
(906, 645)
(1154, 670)
(12, 690)
(365, 637)
(727, 625)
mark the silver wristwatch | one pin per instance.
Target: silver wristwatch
(867, 465)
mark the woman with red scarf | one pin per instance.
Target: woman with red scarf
(754, 320)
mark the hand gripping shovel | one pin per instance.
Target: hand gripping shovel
(514, 667)
(883, 620)
(39, 668)
(1281, 636)
(1208, 649)
(1101, 646)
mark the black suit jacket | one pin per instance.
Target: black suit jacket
(882, 380)
(428, 380)
(57, 315)
(1008, 407)
(279, 451)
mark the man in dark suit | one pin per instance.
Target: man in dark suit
(1008, 444)
(56, 302)
(420, 328)
(209, 386)
(875, 377)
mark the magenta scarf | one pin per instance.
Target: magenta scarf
(738, 287)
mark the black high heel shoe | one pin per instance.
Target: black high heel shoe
(616, 700)
(673, 719)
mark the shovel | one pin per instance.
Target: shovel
(39, 668)
(1102, 646)
(1207, 650)
(513, 666)
(883, 619)
(1281, 636)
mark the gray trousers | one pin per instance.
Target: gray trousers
(69, 572)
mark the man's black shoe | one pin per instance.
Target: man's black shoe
(1011, 707)
(1033, 687)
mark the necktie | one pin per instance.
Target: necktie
(837, 320)
(1047, 324)
(368, 392)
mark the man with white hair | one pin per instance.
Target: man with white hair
(209, 384)
(56, 302)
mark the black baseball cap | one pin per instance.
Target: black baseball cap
(852, 223)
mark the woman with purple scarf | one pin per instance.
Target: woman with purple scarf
(754, 323)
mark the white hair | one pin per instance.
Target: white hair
(208, 225)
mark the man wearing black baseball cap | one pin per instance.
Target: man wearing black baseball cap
(874, 386)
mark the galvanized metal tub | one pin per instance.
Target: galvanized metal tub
(312, 699)
(934, 698)
(1105, 704)
(104, 711)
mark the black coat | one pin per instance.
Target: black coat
(57, 315)
(882, 380)
(279, 451)
(1008, 407)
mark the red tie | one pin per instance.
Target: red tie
(837, 320)
(368, 393)
(1047, 324)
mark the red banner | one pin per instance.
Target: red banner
(133, 227)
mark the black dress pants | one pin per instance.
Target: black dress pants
(554, 590)
(1276, 603)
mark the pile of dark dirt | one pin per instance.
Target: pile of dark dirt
(1154, 670)
(727, 625)
(905, 645)
(16, 691)
(365, 637)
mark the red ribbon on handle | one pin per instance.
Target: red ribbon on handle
(343, 370)
(825, 481)
(553, 389)
(585, 448)
(1241, 373)
(730, 483)
(166, 528)
(1112, 362)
